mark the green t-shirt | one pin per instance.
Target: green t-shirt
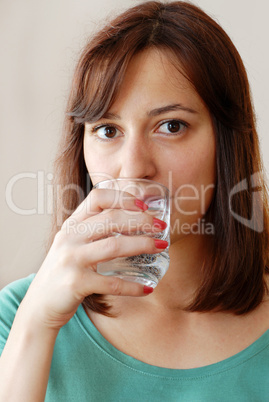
(86, 367)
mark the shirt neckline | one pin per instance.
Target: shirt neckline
(188, 374)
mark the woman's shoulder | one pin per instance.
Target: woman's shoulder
(10, 299)
(12, 295)
(17, 289)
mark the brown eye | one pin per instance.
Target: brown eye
(174, 126)
(106, 132)
(110, 132)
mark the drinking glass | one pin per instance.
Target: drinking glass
(147, 269)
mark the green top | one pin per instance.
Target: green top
(86, 367)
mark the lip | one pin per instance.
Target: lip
(151, 197)
(155, 203)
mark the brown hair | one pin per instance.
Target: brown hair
(234, 277)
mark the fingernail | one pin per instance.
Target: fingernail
(157, 223)
(160, 243)
(140, 204)
(148, 290)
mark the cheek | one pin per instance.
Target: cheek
(194, 183)
(96, 166)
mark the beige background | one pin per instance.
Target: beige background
(40, 42)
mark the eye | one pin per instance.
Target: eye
(106, 132)
(172, 127)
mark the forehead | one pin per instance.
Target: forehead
(154, 76)
(156, 67)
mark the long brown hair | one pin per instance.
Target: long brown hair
(234, 277)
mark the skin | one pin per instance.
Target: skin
(141, 145)
(143, 149)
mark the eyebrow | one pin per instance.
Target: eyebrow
(170, 108)
(156, 112)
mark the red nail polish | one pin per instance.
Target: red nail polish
(140, 204)
(148, 290)
(159, 224)
(160, 243)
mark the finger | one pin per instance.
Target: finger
(111, 285)
(101, 199)
(120, 246)
(113, 221)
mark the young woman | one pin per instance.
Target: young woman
(160, 93)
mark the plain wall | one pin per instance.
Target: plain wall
(40, 43)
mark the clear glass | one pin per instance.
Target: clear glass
(147, 269)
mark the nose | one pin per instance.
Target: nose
(137, 159)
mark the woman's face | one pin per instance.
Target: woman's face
(159, 129)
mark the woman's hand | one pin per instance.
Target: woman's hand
(68, 273)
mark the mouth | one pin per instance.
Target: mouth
(154, 202)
